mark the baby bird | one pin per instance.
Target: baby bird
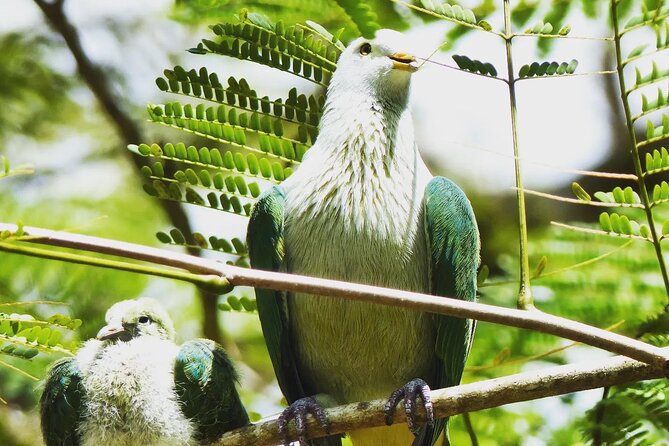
(133, 385)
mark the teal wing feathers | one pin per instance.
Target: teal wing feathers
(204, 379)
(265, 240)
(454, 246)
(60, 404)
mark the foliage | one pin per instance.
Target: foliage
(35, 97)
(21, 334)
(634, 415)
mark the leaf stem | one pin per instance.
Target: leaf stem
(470, 429)
(525, 300)
(636, 158)
(209, 282)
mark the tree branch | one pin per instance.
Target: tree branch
(464, 398)
(528, 319)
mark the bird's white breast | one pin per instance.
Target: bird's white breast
(130, 398)
(355, 214)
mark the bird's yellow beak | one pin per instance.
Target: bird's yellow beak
(404, 62)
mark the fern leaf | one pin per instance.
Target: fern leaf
(475, 66)
(234, 303)
(228, 161)
(175, 237)
(536, 69)
(296, 108)
(233, 129)
(362, 15)
(296, 49)
(175, 191)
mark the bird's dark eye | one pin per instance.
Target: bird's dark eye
(365, 48)
(144, 319)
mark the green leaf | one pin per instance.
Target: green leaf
(605, 222)
(580, 193)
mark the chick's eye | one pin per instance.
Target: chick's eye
(144, 319)
(365, 49)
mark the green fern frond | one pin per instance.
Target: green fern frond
(449, 12)
(174, 191)
(536, 69)
(636, 415)
(296, 108)
(23, 336)
(650, 106)
(234, 129)
(296, 49)
(7, 171)
(234, 303)
(647, 18)
(228, 161)
(475, 66)
(362, 15)
(234, 246)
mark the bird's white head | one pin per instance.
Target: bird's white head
(130, 319)
(379, 67)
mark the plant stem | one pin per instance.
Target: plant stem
(636, 159)
(470, 429)
(599, 418)
(459, 399)
(525, 299)
(209, 282)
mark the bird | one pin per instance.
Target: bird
(363, 207)
(133, 384)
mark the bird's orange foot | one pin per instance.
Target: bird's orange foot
(298, 411)
(410, 393)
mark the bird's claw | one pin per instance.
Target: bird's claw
(410, 392)
(298, 411)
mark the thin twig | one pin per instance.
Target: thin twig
(579, 201)
(18, 370)
(470, 428)
(237, 276)
(464, 398)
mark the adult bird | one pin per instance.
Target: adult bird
(363, 207)
(133, 385)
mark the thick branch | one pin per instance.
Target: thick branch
(465, 398)
(533, 320)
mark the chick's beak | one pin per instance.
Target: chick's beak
(111, 331)
(404, 62)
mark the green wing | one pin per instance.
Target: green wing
(453, 242)
(204, 380)
(266, 252)
(60, 404)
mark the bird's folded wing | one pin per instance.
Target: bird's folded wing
(453, 244)
(205, 379)
(265, 240)
(60, 404)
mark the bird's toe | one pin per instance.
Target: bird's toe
(410, 393)
(299, 412)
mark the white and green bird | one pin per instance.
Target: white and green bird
(363, 207)
(134, 386)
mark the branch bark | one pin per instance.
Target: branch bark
(464, 398)
(528, 319)
(130, 133)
